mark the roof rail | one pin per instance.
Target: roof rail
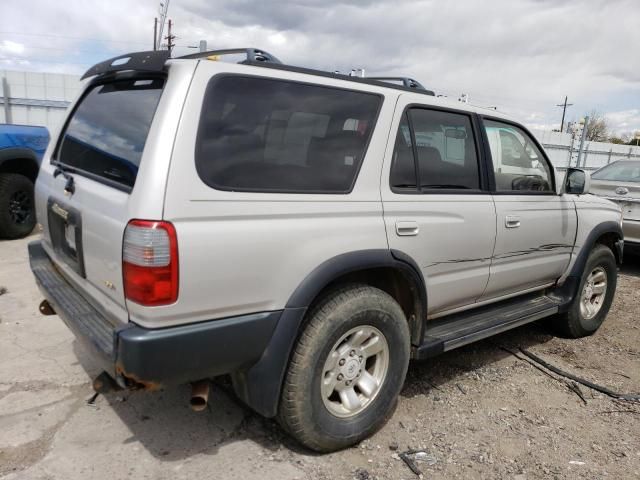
(406, 81)
(151, 61)
(252, 55)
(154, 60)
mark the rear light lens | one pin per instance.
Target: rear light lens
(150, 262)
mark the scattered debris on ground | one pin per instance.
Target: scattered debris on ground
(486, 410)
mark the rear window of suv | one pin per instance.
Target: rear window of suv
(108, 129)
(269, 135)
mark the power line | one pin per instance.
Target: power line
(75, 50)
(70, 37)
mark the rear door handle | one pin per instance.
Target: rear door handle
(405, 229)
(512, 221)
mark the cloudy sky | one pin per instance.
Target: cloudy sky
(521, 56)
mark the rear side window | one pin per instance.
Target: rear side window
(269, 135)
(108, 129)
(436, 147)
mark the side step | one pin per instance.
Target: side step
(459, 329)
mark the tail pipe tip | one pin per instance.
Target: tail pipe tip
(104, 383)
(46, 308)
(199, 395)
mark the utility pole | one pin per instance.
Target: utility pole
(163, 9)
(155, 33)
(564, 110)
(170, 38)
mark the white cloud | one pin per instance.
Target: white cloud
(522, 56)
(7, 47)
(624, 122)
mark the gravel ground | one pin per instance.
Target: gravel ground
(477, 412)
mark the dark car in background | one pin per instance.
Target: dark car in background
(21, 150)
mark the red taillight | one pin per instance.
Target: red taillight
(150, 262)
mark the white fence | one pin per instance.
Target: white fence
(562, 149)
(31, 98)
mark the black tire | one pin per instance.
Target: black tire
(573, 324)
(17, 214)
(302, 409)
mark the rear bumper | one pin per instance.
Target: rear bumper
(150, 358)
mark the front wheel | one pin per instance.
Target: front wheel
(595, 295)
(347, 369)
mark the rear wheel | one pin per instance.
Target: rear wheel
(17, 215)
(594, 298)
(347, 369)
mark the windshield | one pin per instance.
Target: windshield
(623, 171)
(107, 132)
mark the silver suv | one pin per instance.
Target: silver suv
(307, 233)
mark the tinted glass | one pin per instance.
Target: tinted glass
(403, 168)
(269, 135)
(445, 148)
(517, 162)
(622, 171)
(108, 130)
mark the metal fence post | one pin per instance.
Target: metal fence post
(584, 134)
(6, 94)
(573, 139)
(609, 159)
(586, 154)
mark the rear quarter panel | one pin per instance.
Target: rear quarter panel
(247, 252)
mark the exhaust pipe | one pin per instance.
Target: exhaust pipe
(46, 308)
(104, 383)
(199, 395)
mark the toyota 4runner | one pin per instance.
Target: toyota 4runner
(307, 233)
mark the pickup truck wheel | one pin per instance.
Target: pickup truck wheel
(17, 215)
(594, 297)
(347, 369)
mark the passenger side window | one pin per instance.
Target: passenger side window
(436, 147)
(517, 162)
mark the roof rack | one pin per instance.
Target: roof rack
(252, 55)
(151, 61)
(406, 81)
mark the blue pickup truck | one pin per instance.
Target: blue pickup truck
(21, 150)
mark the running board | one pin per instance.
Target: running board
(459, 329)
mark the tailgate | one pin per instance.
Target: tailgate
(83, 196)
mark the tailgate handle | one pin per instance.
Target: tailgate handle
(405, 229)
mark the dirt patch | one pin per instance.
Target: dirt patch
(476, 412)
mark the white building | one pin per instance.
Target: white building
(31, 98)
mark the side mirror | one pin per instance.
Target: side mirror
(576, 181)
